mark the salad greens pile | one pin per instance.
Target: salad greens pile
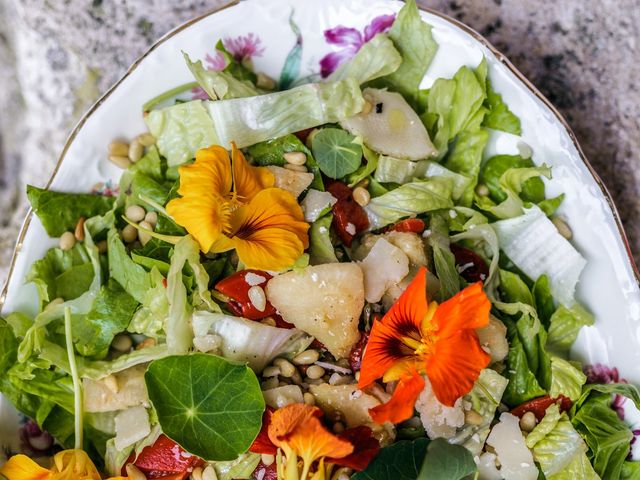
(395, 178)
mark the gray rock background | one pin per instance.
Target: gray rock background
(58, 57)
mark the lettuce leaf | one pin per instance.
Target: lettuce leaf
(513, 289)
(412, 38)
(544, 300)
(496, 166)
(320, 247)
(135, 280)
(443, 259)
(498, 116)
(255, 119)
(566, 379)
(564, 326)
(533, 243)
(59, 212)
(220, 85)
(181, 130)
(409, 199)
(465, 159)
(377, 58)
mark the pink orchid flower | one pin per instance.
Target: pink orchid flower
(352, 41)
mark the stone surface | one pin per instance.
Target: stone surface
(58, 57)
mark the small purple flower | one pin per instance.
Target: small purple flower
(599, 373)
(351, 40)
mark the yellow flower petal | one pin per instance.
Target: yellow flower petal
(73, 465)
(211, 172)
(269, 233)
(21, 467)
(248, 180)
(204, 215)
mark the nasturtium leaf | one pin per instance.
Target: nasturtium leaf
(336, 152)
(445, 461)
(400, 461)
(210, 406)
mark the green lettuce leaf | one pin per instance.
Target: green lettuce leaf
(498, 116)
(135, 280)
(181, 130)
(255, 119)
(412, 38)
(150, 165)
(320, 246)
(237, 69)
(59, 212)
(566, 379)
(238, 469)
(8, 347)
(544, 301)
(409, 199)
(220, 85)
(149, 319)
(444, 261)
(495, 167)
(465, 159)
(377, 58)
(564, 326)
(513, 289)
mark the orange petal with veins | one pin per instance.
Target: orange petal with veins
(400, 407)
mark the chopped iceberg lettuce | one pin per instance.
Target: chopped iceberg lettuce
(220, 85)
(255, 119)
(375, 59)
(533, 243)
(564, 326)
(181, 130)
(566, 379)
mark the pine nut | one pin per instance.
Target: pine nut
(152, 218)
(472, 417)
(135, 213)
(209, 473)
(338, 427)
(135, 151)
(143, 236)
(295, 158)
(111, 382)
(122, 342)
(257, 297)
(361, 196)
(269, 384)
(271, 372)
(337, 379)
(268, 321)
(296, 168)
(79, 232)
(120, 149)
(120, 161)
(67, 241)
(562, 227)
(286, 367)
(265, 81)
(196, 474)
(134, 473)
(102, 246)
(528, 422)
(482, 190)
(129, 234)
(267, 459)
(296, 378)
(309, 399)
(146, 139)
(306, 358)
(364, 183)
(315, 372)
(357, 376)
(366, 108)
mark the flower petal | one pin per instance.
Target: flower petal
(400, 407)
(21, 467)
(248, 180)
(297, 426)
(365, 445)
(269, 233)
(468, 309)
(455, 365)
(204, 215)
(384, 348)
(74, 464)
(211, 172)
(344, 36)
(380, 24)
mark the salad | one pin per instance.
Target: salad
(327, 281)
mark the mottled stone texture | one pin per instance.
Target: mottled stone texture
(57, 57)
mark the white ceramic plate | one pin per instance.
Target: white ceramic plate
(609, 283)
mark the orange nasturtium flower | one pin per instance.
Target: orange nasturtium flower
(230, 205)
(67, 465)
(297, 431)
(418, 338)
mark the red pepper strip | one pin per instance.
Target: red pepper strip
(281, 323)
(366, 447)
(349, 218)
(237, 289)
(164, 458)
(412, 225)
(355, 357)
(539, 406)
(263, 444)
(475, 268)
(303, 134)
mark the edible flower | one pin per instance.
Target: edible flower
(228, 204)
(417, 337)
(298, 433)
(67, 465)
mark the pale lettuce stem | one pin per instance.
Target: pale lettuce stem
(77, 388)
(167, 95)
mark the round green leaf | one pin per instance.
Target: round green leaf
(335, 152)
(211, 407)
